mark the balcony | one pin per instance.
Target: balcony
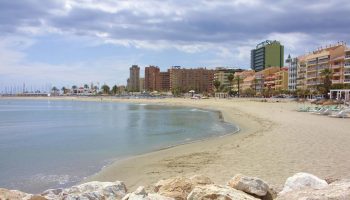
(346, 80)
(336, 81)
(347, 57)
(347, 65)
(336, 66)
(347, 72)
(310, 69)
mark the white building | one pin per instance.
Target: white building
(292, 73)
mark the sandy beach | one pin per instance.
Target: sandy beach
(274, 142)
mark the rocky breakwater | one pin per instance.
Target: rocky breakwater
(240, 187)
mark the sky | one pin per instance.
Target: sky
(46, 43)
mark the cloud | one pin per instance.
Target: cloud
(224, 30)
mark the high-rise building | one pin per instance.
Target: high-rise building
(292, 73)
(200, 79)
(164, 81)
(142, 84)
(152, 78)
(267, 54)
(156, 80)
(134, 79)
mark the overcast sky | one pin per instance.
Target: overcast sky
(66, 42)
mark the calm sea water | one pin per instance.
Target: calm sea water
(49, 144)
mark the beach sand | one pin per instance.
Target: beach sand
(274, 142)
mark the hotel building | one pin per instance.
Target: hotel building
(134, 79)
(200, 80)
(301, 73)
(267, 54)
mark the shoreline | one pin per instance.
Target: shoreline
(274, 143)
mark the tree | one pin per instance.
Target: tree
(114, 90)
(64, 90)
(327, 81)
(176, 91)
(105, 89)
(216, 84)
(74, 88)
(238, 80)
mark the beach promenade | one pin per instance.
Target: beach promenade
(275, 142)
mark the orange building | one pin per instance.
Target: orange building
(200, 80)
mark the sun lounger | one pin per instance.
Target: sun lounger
(342, 114)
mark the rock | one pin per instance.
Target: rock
(339, 190)
(51, 194)
(90, 190)
(37, 197)
(141, 194)
(249, 185)
(200, 180)
(212, 192)
(303, 180)
(13, 195)
(180, 187)
(177, 188)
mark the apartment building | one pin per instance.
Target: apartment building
(200, 79)
(301, 73)
(151, 78)
(248, 83)
(281, 79)
(347, 66)
(134, 79)
(265, 79)
(292, 73)
(222, 75)
(332, 58)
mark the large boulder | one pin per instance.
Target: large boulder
(141, 194)
(217, 192)
(90, 190)
(249, 185)
(179, 187)
(13, 195)
(339, 190)
(303, 180)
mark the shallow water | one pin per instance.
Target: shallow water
(49, 144)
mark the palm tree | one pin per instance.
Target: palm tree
(74, 88)
(105, 89)
(64, 90)
(238, 80)
(216, 84)
(114, 89)
(327, 81)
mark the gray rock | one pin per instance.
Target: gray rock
(217, 192)
(338, 190)
(249, 185)
(303, 180)
(141, 194)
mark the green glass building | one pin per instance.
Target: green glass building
(267, 54)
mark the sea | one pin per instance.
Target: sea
(57, 143)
